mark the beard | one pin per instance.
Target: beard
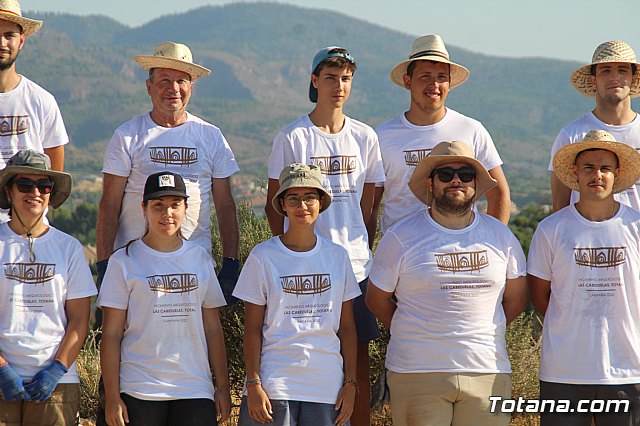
(5, 65)
(453, 206)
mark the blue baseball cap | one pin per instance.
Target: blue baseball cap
(323, 55)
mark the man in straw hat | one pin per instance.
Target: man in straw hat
(446, 281)
(45, 291)
(612, 78)
(428, 75)
(583, 275)
(347, 153)
(30, 118)
(169, 138)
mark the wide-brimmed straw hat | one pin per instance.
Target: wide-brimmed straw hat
(10, 11)
(607, 52)
(430, 48)
(174, 56)
(32, 162)
(299, 175)
(443, 153)
(628, 160)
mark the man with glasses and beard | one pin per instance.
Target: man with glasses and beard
(451, 279)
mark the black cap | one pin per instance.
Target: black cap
(164, 184)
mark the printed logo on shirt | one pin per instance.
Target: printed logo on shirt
(600, 257)
(13, 124)
(413, 156)
(306, 284)
(467, 261)
(173, 283)
(335, 164)
(173, 155)
(30, 273)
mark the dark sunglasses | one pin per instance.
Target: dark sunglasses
(446, 174)
(26, 185)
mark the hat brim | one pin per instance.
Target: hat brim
(457, 73)
(29, 26)
(300, 183)
(581, 80)
(628, 163)
(194, 70)
(163, 193)
(62, 184)
(418, 181)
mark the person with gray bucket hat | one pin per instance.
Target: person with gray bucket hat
(45, 291)
(612, 79)
(300, 333)
(583, 275)
(429, 75)
(169, 138)
(446, 282)
(348, 155)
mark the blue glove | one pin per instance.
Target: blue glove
(228, 277)
(45, 381)
(12, 385)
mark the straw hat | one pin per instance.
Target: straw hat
(430, 48)
(32, 162)
(10, 11)
(443, 153)
(298, 175)
(174, 56)
(628, 160)
(607, 52)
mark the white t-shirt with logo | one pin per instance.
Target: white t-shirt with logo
(33, 295)
(403, 145)
(449, 285)
(303, 293)
(591, 332)
(348, 159)
(627, 133)
(163, 354)
(196, 150)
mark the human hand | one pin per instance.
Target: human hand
(45, 381)
(12, 385)
(345, 402)
(223, 404)
(258, 404)
(228, 277)
(115, 412)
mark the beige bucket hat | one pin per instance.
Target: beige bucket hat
(607, 52)
(628, 160)
(299, 175)
(175, 56)
(448, 152)
(430, 48)
(10, 11)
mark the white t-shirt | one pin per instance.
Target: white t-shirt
(449, 284)
(348, 159)
(628, 133)
(303, 293)
(196, 150)
(33, 295)
(591, 332)
(163, 354)
(403, 145)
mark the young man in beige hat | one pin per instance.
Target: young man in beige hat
(406, 139)
(446, 281)
(169, 138)
(348, 155)
(30, 117)
(612, 78)
(583, 275)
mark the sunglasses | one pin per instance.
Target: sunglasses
(446, 174)
(294, 200)
(26, 185)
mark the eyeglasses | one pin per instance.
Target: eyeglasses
(446, 174)
(26, 185)
(294, 200)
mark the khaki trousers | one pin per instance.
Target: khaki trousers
(62, 408)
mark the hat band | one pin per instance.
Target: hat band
(11, 12)
(429, 53)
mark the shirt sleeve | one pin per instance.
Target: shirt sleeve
(251, 283)
(117, 157)
(375, 168)
(385, 271)
(540, 258)
(213, 297)
(517, 263)
(351, 288)
(276, 159)
(114, 292)
(55, 133)
(223, 162)
(561, 140)
(80, 279)
(486, 151)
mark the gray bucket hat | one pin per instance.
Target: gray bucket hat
(298, 175)
(33, 162)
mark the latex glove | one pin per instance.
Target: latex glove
(12, 385)
(45, 381)
(228, 277)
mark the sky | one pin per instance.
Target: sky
(560, 29)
